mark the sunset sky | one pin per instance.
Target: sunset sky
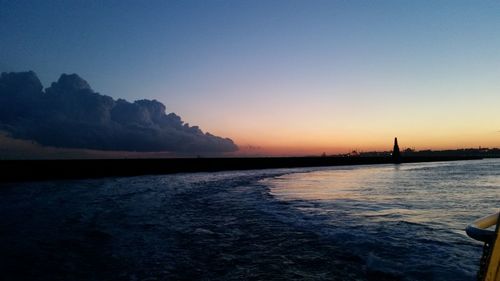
(284, 77)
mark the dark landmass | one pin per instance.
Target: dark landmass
(32, 170)
(464, 152)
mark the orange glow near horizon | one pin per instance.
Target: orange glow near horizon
(301, 118)
(296, 138)
(279, 77)
(312, 149)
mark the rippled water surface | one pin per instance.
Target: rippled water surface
(407, 220)
(380, 222)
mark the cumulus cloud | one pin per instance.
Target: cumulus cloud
(70, 114)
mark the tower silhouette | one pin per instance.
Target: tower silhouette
(396, 155)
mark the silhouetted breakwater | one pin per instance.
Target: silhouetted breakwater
(30, 170)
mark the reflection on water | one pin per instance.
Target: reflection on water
(376, 223)
(405, 219)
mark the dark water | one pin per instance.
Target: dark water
(380, 222)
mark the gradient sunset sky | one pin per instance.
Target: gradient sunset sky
(288, 77)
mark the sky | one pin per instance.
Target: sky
(280, 77)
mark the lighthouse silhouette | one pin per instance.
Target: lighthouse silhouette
(396, 155)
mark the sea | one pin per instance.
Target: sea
(367, 222)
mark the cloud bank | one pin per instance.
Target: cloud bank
(70, 114)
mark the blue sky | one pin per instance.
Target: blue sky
(325, 74)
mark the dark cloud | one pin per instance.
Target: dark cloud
(70, 114)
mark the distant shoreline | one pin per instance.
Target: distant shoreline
(37, 170)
